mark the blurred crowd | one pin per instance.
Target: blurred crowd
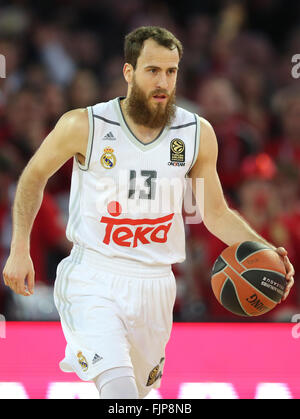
(236, 72)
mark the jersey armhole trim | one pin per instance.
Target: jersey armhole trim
(89, 148)
(197, 142)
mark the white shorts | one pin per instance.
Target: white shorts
(114, 315)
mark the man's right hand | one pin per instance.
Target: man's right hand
(17, 269)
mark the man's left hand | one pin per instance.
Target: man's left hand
(290, 271)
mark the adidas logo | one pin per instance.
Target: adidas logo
(109, 136)
(96, 359)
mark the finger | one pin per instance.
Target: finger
(16, 285)
(12, 283)
(5, 279)
(289, 268)
(290, 283)
(288, 288)
(24, 291)
(281, 251)
(30, 282)
(20, 287)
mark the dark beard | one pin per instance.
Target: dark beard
(139, 110)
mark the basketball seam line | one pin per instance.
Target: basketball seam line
(264, 269)
(268, 270)
(222, 268)
(259, 250)
(256, 251)
(245, 280)
(237, 296)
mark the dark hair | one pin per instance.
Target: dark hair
(134, 42)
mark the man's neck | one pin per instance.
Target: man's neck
(143, 133)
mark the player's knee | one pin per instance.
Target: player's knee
(117, 383)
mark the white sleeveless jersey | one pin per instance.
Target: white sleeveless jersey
(126, 200)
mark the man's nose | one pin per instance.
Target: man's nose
(162, 82)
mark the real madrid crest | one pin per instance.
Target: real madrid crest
(155, 373)
(177, 150)
(153, 376)
(82, 361)
(108, 159)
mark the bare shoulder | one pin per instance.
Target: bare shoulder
(76, 117)
(73, 129)
(208, 146)
(74, 122)
(68, 138)
(208, 140)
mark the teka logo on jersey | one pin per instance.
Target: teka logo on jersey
(130, 232)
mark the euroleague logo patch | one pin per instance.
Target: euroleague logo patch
(108, 159)
(177, 152)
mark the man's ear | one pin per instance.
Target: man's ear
(128, 72)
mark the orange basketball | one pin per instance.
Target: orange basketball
(248, 278)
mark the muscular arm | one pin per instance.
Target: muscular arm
(220, 220)
(68, 138)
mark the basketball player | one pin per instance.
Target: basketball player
(115, 292)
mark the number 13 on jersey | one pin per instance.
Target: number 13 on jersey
(149, 184)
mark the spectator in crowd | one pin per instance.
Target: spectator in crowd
(48, 233)
(262, 203)
(252, 87)
(221, 106)
(84, 89)
(285, 147)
